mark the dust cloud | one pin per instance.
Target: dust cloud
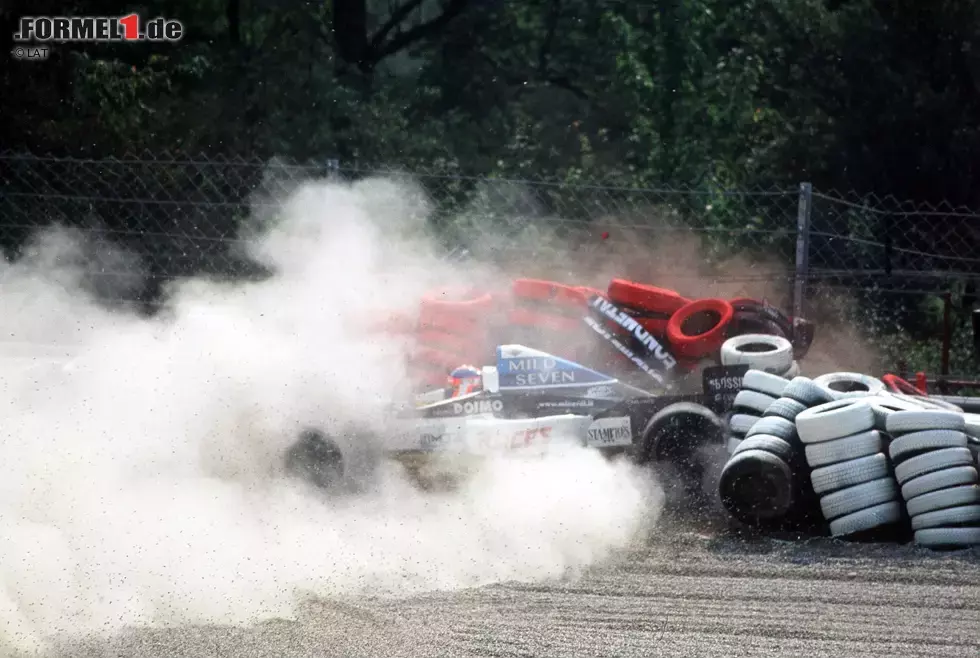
(650, 246)
(142, 482)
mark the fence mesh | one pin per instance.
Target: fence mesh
(183, 216)
(891, 245)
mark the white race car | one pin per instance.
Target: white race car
(529, 401)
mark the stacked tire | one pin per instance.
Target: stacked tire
(936, 470)
(548, 315)
(452, 330)
(652, 307)
(849, 467)
(758, 484)
(870, 458)
(766, 352)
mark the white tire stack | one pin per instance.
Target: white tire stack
(849, 468)
(850, 384)
(938, 476)
(760, 396)
(973, 434)
(771, 354)
(766, 452)
(759, 390)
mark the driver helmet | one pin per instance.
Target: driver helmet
(464, 380)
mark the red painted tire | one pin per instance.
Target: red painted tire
(654, 326)
(467, 300)
(540, 290)
(440, 311)
(452, 343)
(588, 291)
(528, 317)
(898, 385)
(700, 342)
(397, 324)
(547, 305)
(646, 298)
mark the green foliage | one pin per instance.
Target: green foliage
(708, 94)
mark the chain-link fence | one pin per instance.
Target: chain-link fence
(891, 245)
(183, 217)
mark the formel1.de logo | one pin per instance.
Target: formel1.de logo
(96, 29)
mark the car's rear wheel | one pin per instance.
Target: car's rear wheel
(317, 459)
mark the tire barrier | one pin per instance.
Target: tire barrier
(651, 306)
(873, 458)
(461, 326)
(453, 328)
(699, 329)
(772, 354)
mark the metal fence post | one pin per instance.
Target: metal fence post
(803, 211)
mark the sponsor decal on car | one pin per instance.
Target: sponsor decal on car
(531, 364)
(610, 432)
(431, 441)
(627, 352)
(600, 392)
(477, 407)
(539, 371)
(545, 378)
(531, 436)
(721, 384)
(630, 324)
(566, 404)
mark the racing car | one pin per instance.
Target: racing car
(532, 401)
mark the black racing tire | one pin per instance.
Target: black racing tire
(676, 432)
(757, 487)
(317, 459)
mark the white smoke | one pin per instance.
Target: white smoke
(143, 483)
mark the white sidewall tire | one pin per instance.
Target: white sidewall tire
(774, 426)
(804, 391)
(764, 382)
(741, 423)
(951, 477)
(951, 516)
(787, 408)
(752, 401)
(932, 461)
(868, 385)
(853, 499)
(882, 406)
(793, 372)
(908, 445)
(828, 479)
(767, 443)
(906, 422)
(845, 449)
(968, 494)
(778, 359)
(972, 422)
(927, 402)
(867, 519)
(733, 443)
(834, 420)
(948, 537)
